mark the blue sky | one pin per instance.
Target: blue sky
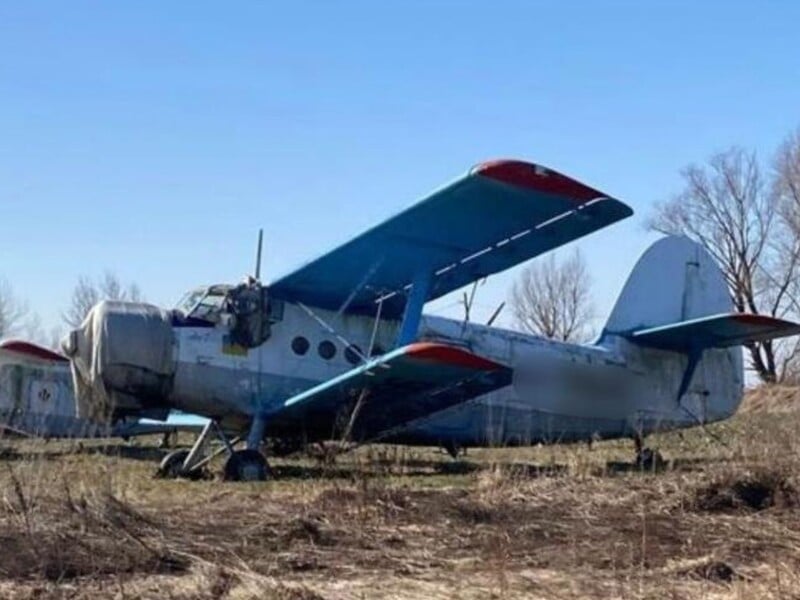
(154, 138)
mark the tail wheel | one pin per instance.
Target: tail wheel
(246, 465)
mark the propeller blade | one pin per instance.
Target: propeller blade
(258, 254)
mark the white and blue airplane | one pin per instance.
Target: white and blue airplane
(340, 348)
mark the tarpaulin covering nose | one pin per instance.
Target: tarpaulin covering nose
(121, 350)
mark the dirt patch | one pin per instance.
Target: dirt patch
(716, 571)
(752, 492)
(310, 530)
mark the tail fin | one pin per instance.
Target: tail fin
(675, 280)
(676, 299)
(675, 283)
(674, 322)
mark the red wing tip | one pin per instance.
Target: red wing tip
(31, 349)
(451, 356)
(536, 177)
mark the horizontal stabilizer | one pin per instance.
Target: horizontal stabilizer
(716, 331)
(396, 388)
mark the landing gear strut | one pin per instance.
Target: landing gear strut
(242, 465)
(171, 466)
(453, 449)
(646, 458)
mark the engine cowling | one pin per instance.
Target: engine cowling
(123, 359)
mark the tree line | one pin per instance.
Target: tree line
(17, 320)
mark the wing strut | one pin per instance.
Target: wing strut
(412, 315)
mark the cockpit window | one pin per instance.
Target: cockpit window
(248, 305)
(190, 300)
(203, 304)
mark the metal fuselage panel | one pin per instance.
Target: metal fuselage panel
(560, 391)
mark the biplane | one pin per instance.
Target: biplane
(340, 348)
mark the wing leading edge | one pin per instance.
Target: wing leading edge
(405, 384)
(498, 215)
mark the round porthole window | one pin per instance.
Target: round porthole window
(326, 349)
(300, 345)
(353, 354)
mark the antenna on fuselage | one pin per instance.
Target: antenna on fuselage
(258, 254)
(467, 301)
(495, 314)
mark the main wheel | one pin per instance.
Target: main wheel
(171, 466)
(246, 465)
(649, 459)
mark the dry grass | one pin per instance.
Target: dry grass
(771, 398)
(719, 521)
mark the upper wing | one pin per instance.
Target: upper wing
(403, 385)
(716, 331)
(500, 214)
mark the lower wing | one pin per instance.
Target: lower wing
(397, 388)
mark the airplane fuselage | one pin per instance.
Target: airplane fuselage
(560, 391)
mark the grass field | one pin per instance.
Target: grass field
(720, 520)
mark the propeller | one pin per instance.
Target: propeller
(258, 254)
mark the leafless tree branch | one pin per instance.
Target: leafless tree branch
(87, 293)
(13, 311)
(553, 299)
(751, 225)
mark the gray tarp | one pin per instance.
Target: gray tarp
(121, 352)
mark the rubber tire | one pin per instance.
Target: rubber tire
(246, 465)
(650, 460)
(171, 466)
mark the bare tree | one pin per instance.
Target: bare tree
(12, 310)
(730, 208)
(553, 299)
(786, 190)
(33, 330)
(87, 293)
